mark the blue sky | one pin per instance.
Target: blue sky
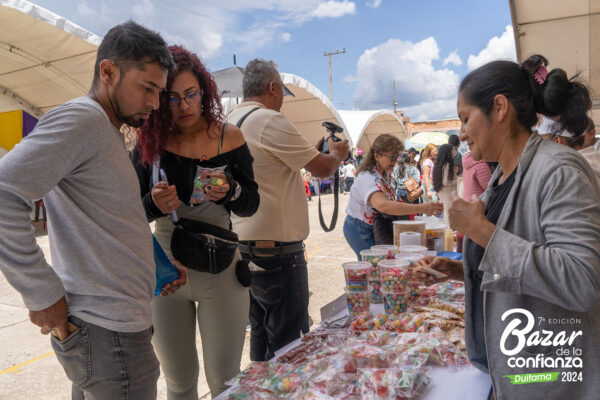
(426, 46)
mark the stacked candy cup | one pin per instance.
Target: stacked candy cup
(374, 256)
(357, 287)
(358, 301)
(399, 285)
(391, 250)
(410, 257)
(356, 273)
(412, 249)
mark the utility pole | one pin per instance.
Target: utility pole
(333, 53)
(395, 102)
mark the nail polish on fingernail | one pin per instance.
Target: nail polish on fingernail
(209, 187)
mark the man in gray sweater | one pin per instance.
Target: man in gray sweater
(96, 298)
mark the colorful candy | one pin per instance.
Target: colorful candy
(356, 275)
(410, 257)
(375, 289)
(373, 257)
(396, 276)
(358, 302)
(390, 250)
(396, 303)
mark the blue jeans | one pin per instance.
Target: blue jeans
(104, 364)
(358, 234)
(278, 303)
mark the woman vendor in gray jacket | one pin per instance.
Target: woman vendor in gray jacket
(531, 261)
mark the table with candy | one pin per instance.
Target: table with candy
(415, 354)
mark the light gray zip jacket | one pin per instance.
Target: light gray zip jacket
(544, 257)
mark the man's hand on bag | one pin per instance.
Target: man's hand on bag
(452, 268)
(217, 187)
(165, 197)
(172, 287)
(53, 317)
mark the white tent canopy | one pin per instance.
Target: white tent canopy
(365, 126)
(45, 60)
(566, 32)
(307, 109)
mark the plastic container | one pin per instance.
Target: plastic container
(390, 250)
(408, 226)
(410, 257)
(373, 257)
(356, 273)
(396, 276)
(358, 301)
(395, 303)
(412, 249)
(375, 290)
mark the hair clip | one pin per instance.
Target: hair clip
(541, 74)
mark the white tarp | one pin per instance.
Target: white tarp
(307, 109)
(45, 60)
(365, 126)
(566, 32)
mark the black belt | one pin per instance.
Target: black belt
(273, 249)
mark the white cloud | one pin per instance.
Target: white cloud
(374, 3)
(418, 83)
(453, 58)
(350, 79)
(143, 11)
(285, 37)
(334, 9)
(502, 47)
(432, 110)
(84, 10)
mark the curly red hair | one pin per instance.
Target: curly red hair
(152, 136)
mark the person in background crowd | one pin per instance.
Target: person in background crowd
(532, 243)
(590, 136)
(412, 153)
(476, 176)
(349, 175)
(187, 132)
(550, 129)
(308, 183)
(444, 176)
(342, 177)
(427, 161)
(96, 298)
(272, 238)
(404, 170)
(372, 192)
(454, 141)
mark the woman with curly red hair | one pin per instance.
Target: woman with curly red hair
(185, 134)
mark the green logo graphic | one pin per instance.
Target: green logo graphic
(532, 378)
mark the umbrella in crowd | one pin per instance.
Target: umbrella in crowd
(422, 138)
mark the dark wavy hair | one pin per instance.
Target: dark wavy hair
(384, 143)
(152, 136)
(444, 158)
(558, 95)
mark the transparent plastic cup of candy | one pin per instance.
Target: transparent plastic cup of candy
(395, 303)
(410, 257)
(356, 274)
(397, 276)
(390, 249)
(373, 257)
(358, 301)
(375, 289)
(412, 249)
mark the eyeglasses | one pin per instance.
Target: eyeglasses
(393, 157)
(191, 99)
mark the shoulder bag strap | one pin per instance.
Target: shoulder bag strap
(241, 121)
(222, 137)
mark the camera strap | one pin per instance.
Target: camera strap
(334, 217)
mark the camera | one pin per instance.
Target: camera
(332, 129)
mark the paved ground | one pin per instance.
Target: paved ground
(29, 370)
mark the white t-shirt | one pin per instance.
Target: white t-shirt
(365, 184)
(349, 171)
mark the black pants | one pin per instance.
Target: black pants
(278, 303)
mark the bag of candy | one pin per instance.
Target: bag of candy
(204, 177)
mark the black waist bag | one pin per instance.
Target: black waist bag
(203, 247)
